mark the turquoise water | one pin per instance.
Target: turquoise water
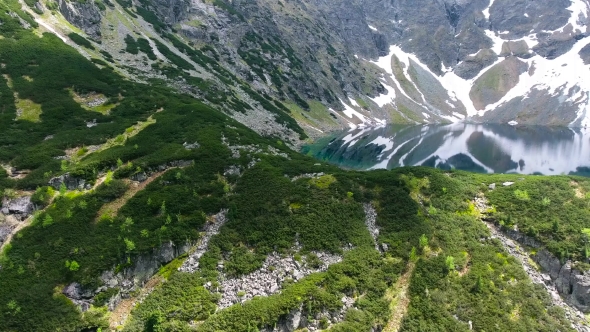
(473, 147)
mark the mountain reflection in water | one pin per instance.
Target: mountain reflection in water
(482, 148)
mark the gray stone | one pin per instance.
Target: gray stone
(585, 54)
(76, 292)
(84, 15)
(22, 207)
(492, 186)
(191, 146)
(71, 182)
(139, 177)
(472, 65)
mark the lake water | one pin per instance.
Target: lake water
(488, 148)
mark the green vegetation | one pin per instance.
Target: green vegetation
(424, 215)
(28, 110)
(553, 210)
(76, 38)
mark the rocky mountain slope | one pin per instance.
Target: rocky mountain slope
(340, 63)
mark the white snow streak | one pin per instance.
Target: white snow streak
(486, 12)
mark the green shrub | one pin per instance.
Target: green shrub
(76, 38)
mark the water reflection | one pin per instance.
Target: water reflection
(478, 148)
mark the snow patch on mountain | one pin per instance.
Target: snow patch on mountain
(560, 76)
(579, 9)
(486, 12)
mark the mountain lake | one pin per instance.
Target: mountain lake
(484, 148)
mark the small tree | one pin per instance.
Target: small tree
(423, 241)
(450, 264)
(144, 233)
(126, 226)
(48, 220)
(413, 255)
(555, 226)
(109, 178)
(479, 285)
(74, 266)
(13, 307)
(129, 245)
(522, 195)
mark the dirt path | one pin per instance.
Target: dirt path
(112, 208)
(119, 316)
(399, 300)
(19, 225)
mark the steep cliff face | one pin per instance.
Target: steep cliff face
(129, 279)
(85, 15)
(344, 63)
(571, 283)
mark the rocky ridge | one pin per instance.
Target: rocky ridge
(370, 221)
(128, 280)
(191, 264)
(298, 319)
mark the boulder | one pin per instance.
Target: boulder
(71, 182)
(75, 291)
(21, 207)
(139, 177)
(191, 146)
(473, 64)
(515, 48)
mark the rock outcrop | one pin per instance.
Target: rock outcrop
(268, 280)
(371, 223)
(572, 284)
(85, 15)
(70, 182)
(79, 295)
(20, 207)
(212, 228)
(569, 288)
(13, 214)
(128, 279)
(473, 64)
(299, 319)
